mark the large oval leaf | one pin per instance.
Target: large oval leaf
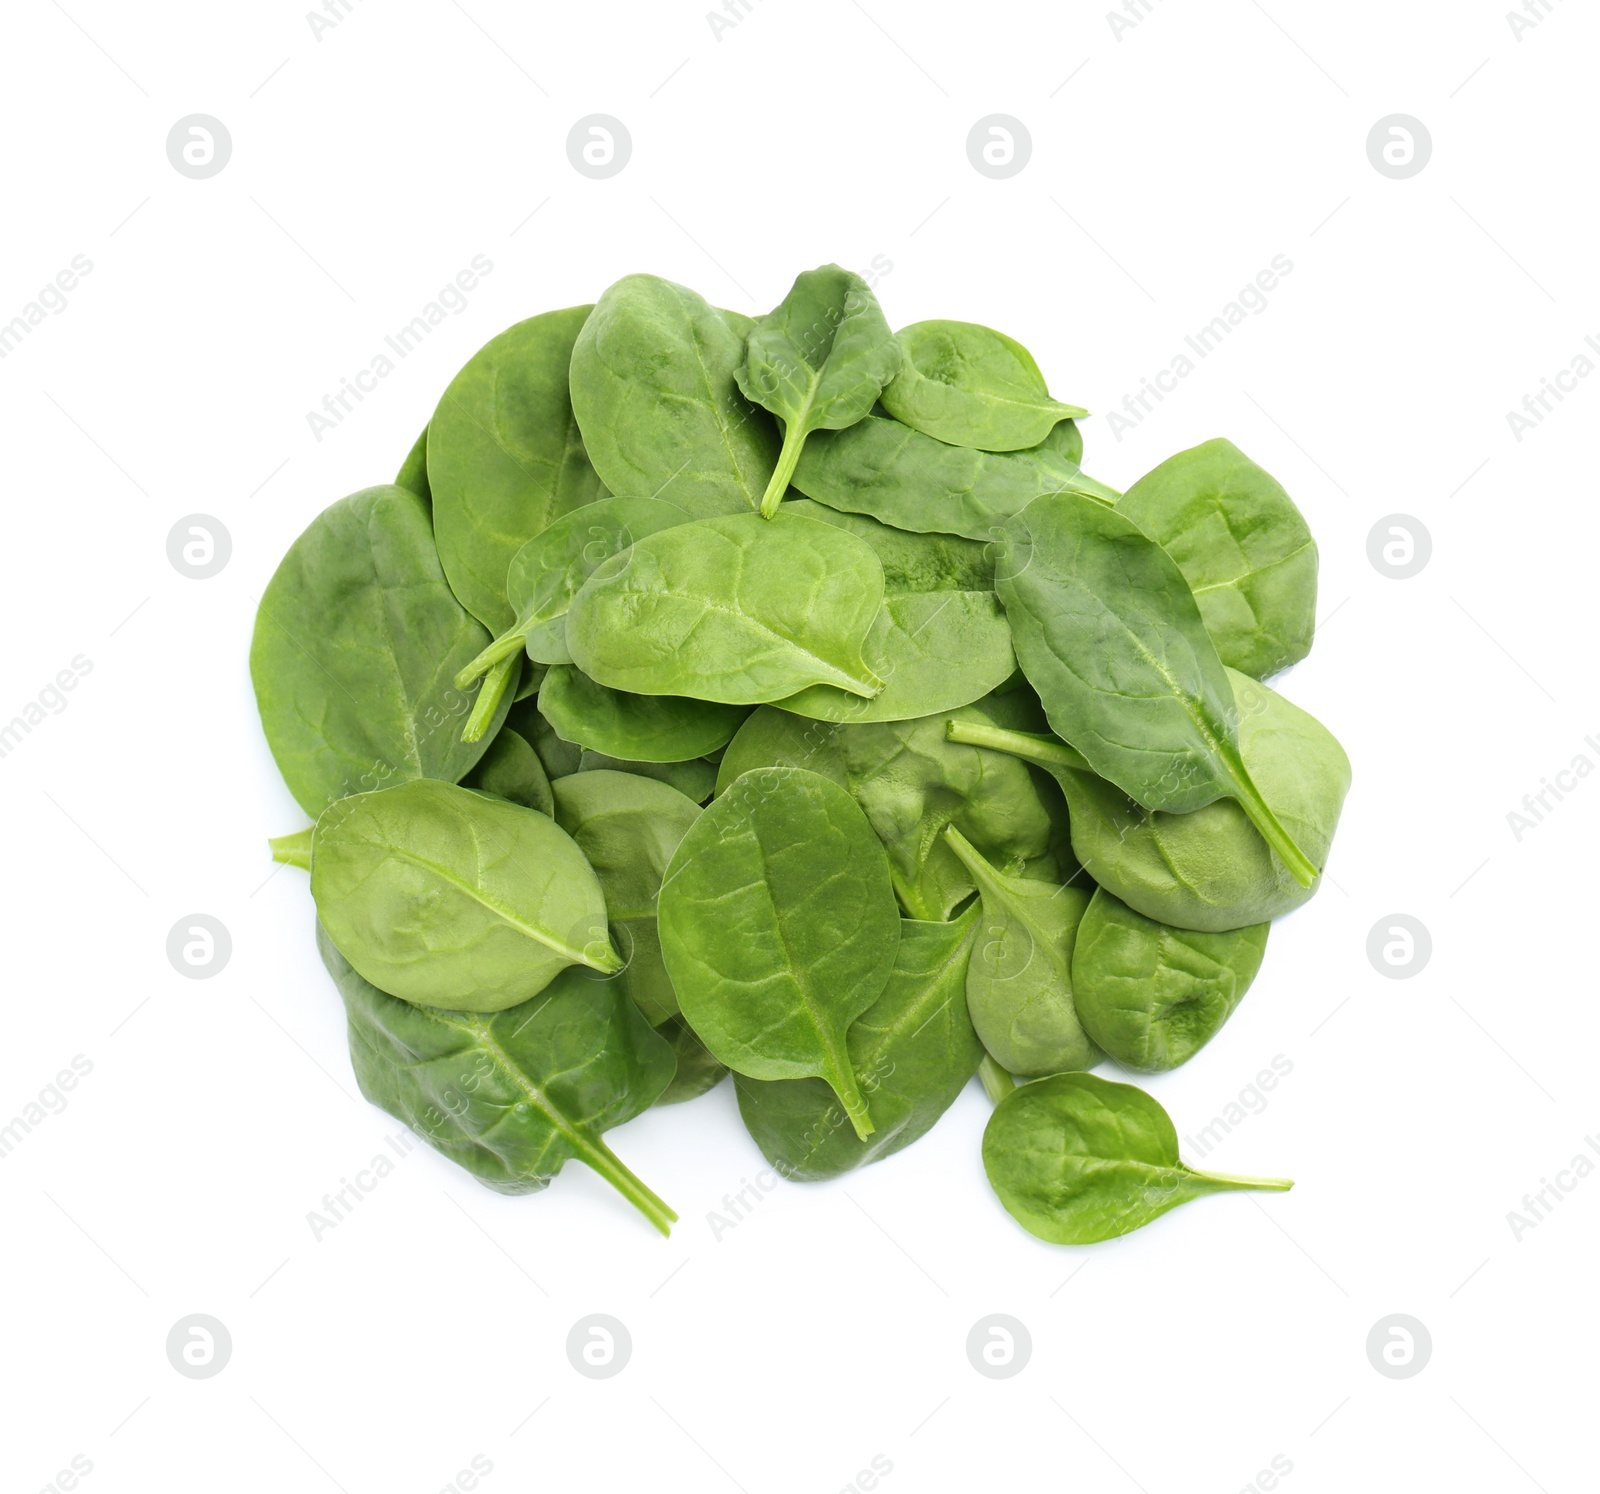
(453, 899)
(357, 640)
(779, 928)
(740, 609)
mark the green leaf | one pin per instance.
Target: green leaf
(356, 642)
(628, 827)
(779, 929)
(1108, 633)
(1076, 1159)
(913, 1048)
(911, 481)
(740, 610)
(1152, 995)
(698, 1070)
(1019, 984)
(911, 782)
(1242, 546)
(511, 769)
(1209, 870)
(448, 898)
(941, 640)
(818, 361)
(694, 780)
(413, 473)
(653, 387)
(640, 728)
(514, 1095)
(505, 457)
(972, 386)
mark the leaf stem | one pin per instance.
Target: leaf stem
(616, 1172)
(293, 850)
(1300, 866)
(1234, 1180)
(490, 694)
(997, 1084)
(794, 437)
(843, 1083)
(1048, 752)
(505, 644)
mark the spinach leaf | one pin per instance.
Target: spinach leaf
(913, 1048)
(546, 573)
(694, 780)
(698, 1071)
(1208, 870)
(413, 473)
(911, 481)
(511, 1096)
(1108, 633)
(911, 782)
(941, 640)
(1076, 1159)
(1242, 546)
(654, 391)
(1152, 995)
(628, 827)
(558, 757)
(740, 610)
(1019, 984)
(448, 898)
(972, 386)
(356, 640)
(779, 928)
(511, 769)
(818, 361)
(505, 457)
(642, 728)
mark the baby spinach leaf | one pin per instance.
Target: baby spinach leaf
(511, 1096)
(413, 473)
(1108, 633)
(448, 898)
(1242, 546)
(911, 481)
(511, 769)
(546, 573)
(972, 386)
(628, 828)
(662, 417)
(740, 610)
(356, 640)
(641, 728)
(505, 457)
(698, 1071)
(911, 782)
(1152, 995)
(941, 640)
(779, 929)
(914, 1050)
(1076, 1159)
(1208, 870)
(694, 780)
(1019, 983)
(818, 361)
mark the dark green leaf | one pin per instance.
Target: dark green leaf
(639, 728)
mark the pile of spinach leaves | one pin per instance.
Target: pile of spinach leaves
(779, 696)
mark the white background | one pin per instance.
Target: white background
(828, 1327)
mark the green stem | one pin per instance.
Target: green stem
(293, 850)
(1048, 752)
(843, 1083)
(794, 437)
(1234, 1180)
(503, 646)
(612, 1168)
(490, 694)
(1300, 866)
(997, 1084)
